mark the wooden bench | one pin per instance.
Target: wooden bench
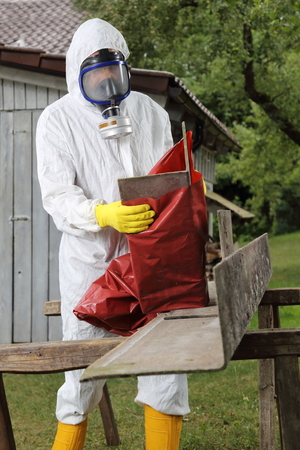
(206, 339)
(195, 340)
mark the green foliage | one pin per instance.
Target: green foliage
(241, 59)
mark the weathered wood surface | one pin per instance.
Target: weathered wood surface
(225, 232)
(108, 419)
(7, 441)
(29, 240)
(181, 341)
(153, 186)
(52, 308)
(51, 357)
(288, 401)
(6, 226)
(281, 296)
(241, 280)
(262, 344)
(196, 340)
(266, 386)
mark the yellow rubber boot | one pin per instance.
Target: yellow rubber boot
(70, 437)
(162, 430)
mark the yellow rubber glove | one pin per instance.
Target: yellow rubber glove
(125, 219)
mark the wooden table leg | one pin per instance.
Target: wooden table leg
(108, 419)
(7, 441)
(288, 400)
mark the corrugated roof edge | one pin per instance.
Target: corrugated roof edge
(37, 60)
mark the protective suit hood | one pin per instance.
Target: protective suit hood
(92, 35)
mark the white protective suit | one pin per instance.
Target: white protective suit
(77, 170)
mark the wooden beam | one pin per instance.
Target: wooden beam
(262, 344)
(281, 296)
(51, 357)
(52, 308)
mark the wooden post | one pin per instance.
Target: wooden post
(7, 441)
(108, 419)
(288, 400)
(266, 387)
(225, 232)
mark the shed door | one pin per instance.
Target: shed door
(28, 241)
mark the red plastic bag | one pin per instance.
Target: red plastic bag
(165, 268)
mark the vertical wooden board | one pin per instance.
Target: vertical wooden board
(30, 95)
(40, 248)
(8, 95)
(53, 95)
(7, 441)
(19, 94)
(6, 227)
(288, 400)
(62, 93)
(55, 327)
(241, 280)
(1, 94)
(266, 387)
(225, 231)
(22, 226)
(42, 97)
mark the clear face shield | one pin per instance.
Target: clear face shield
(104, 81)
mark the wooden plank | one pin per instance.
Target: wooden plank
(42, 97)
(241, 280)
(6, 226)
(1, 94)
(266, 386)
(51, 357)
(52, 308)
(153, 186)
(7, 441)
(8, 95)
(288, 401)
(53, 95)
(225, 233)
(19, 95)
(281, 296)
(33, 78)
(263, 344)
(40, 248)
(22, 226)
(31, 98)
(108, 419)
(165, 346)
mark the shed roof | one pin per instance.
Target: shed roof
(47, 25)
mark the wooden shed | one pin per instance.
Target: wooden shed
(31, 79)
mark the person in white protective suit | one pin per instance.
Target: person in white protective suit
(78, 167)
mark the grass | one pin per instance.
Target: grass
(224, 405)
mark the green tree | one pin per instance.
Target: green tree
(241, 59)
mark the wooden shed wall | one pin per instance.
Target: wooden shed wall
(28, 238)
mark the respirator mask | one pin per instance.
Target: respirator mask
(104, 81)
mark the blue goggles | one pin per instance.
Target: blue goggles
(104, 82)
